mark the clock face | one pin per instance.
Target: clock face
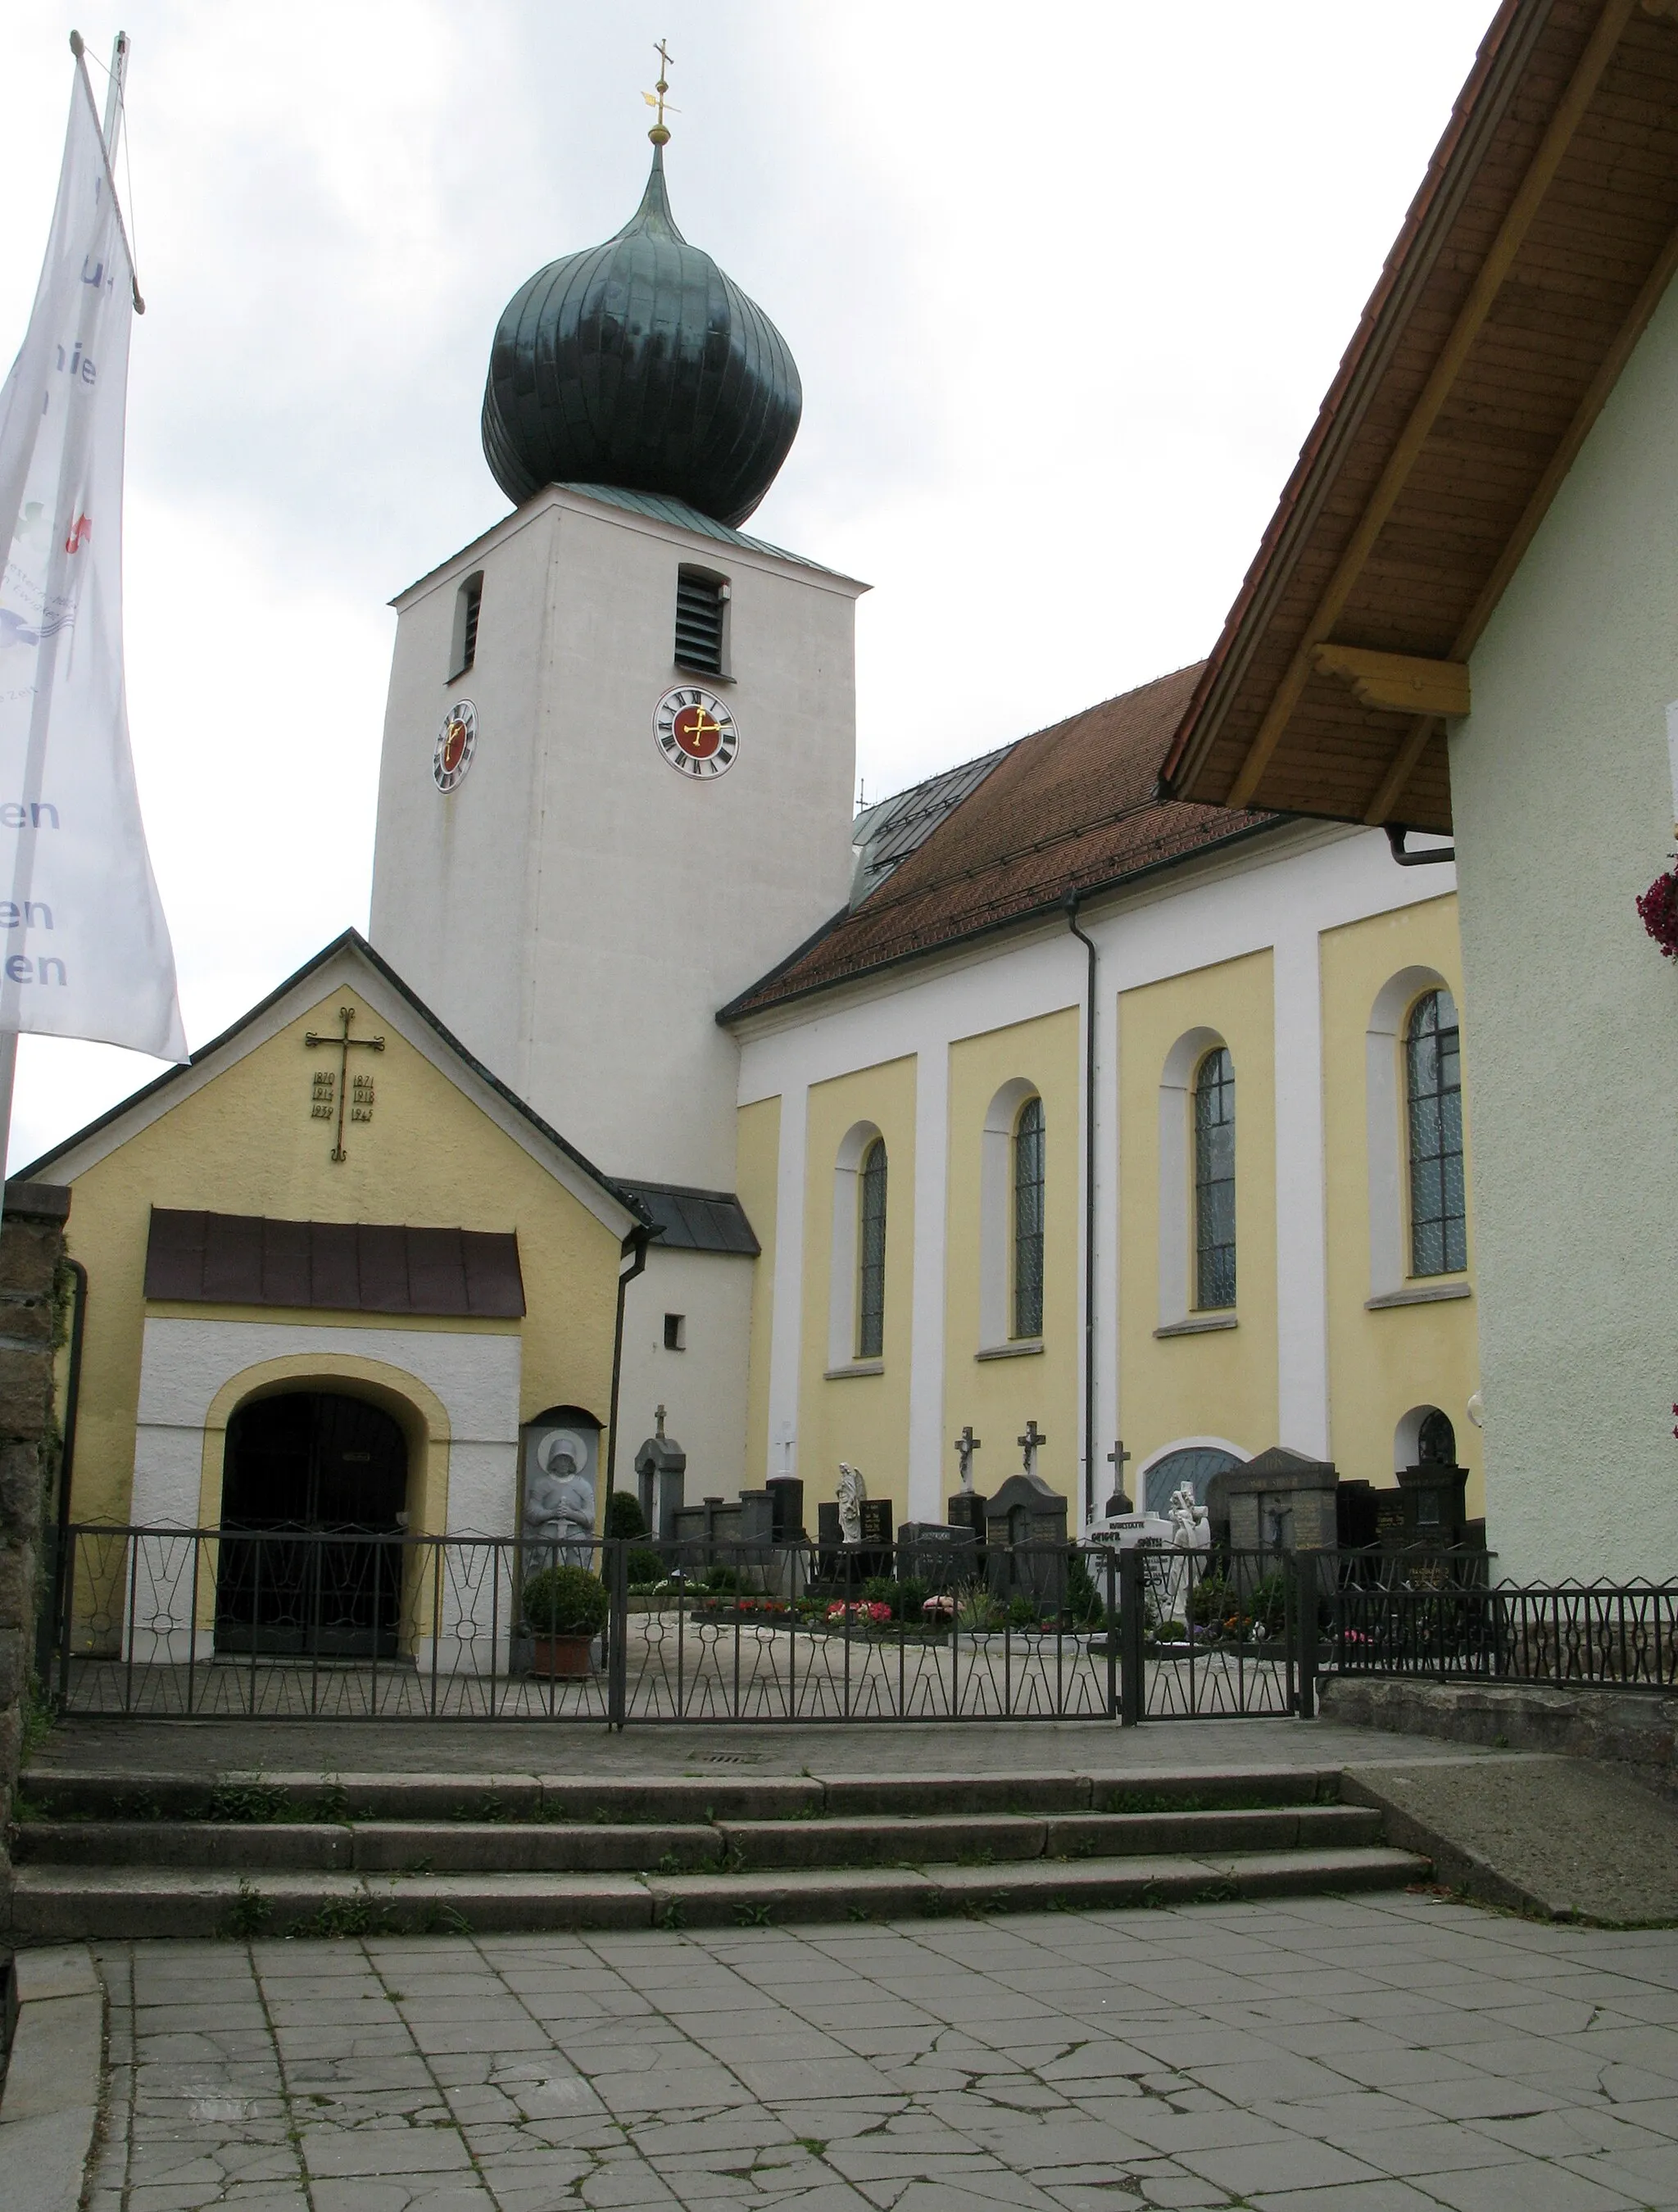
(457, 741)
(696, 732)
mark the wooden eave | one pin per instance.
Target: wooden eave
(1544, 234)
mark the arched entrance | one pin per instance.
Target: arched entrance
(312, 1481)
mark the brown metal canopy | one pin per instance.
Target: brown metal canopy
(1539, 244)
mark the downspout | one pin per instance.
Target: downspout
(1071, 905)
(72, 1392)
(636, 1240)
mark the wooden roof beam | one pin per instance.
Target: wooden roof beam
(1512, 234)
(1398, 682)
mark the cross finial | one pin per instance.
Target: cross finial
(966, 1444)
(1119, 1503)
(657, 1415)
(658, 134)
(1118, 1456)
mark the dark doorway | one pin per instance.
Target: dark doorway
(311, 1561)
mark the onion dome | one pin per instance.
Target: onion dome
(639, 363)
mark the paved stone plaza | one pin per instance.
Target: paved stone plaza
(1392, 2055)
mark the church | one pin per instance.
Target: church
(1033, 1106)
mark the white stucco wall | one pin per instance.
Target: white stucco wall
(185, 1363)
(1561, 797)
(703, 1389)
(575, 910)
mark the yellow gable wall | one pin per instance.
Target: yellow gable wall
(1383, 1364)
(863, 1419)
(1222, 1383)
(996, 1397)
(246, 1143)
(758, 1168)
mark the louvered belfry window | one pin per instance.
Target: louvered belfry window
(1028, 1219)
(871, 1254)
(467, 601)
(1438, 1208)
(1214, 1182)
(700, 601)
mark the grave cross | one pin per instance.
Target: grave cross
(1028, 1444)
(658, 1416)
(344, 1043)
(1119, 1501)
(966, 1444)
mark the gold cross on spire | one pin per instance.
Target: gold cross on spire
(658, 134)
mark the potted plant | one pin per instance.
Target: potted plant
(565, 1608)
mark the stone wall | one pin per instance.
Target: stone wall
(1635, 1731)
(32, 1246)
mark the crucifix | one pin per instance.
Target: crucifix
(659, 134)
(966, 1444)
(1118, 1503)
(1028, 1444)
(345, 1044)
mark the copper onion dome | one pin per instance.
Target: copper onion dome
(639, 363)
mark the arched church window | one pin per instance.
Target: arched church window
(1028, 1219)
(701, 601)
(467, 601)
(1215, 1181)
(870, 1253)
(1438, 1212)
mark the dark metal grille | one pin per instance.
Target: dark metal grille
(1028, 1219)
(699, 604)
(1438, 1226)
(871, 1254)
(469, 632)
(1215, 1181)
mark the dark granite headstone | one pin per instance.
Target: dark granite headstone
(1024, 1515)
(931, 1552)
(876, 1537)
(787, 1507)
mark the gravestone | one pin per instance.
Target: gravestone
(967, 1510)
(830, 1540)
(1357, 1516)
(1282, 1502)
(1435, 1503)
(1025, 1511)
(941, 1557)
(786, 1509)
(661, 1474)
(876, 1547)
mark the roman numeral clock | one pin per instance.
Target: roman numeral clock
(696, 732)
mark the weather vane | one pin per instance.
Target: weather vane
(658, 134)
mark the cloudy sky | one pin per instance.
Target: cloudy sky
(1065, 285)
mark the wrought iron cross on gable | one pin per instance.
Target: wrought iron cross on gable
(345, 1044)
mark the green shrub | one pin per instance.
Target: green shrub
(1268, 1604)
(880, 1590)
(1085, 1605)
(643, 1565)
(1024, 1611)
(724, 1580)
(565, 1601)
(911, 1597)
(1212, 1601)
(623, 1515)
(976, 1609)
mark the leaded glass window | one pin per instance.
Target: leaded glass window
(1028, 1219)
(1215, 1181)
(1439, 1213)
(871, 1254)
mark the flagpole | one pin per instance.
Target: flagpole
(112, 127)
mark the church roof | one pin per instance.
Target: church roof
(1073, 809)
(697, 1220)
(1542, 238)
(196, 1258)
(106, 1131)
(639, 362)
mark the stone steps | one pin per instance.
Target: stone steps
(135, 1903)
(103, 1857)
(485, 1847)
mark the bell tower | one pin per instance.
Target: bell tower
(619, 747)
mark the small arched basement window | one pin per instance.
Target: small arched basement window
(1438, 1210)
(467, 601)
(1215, 1181)
(870, 1253)
(1028, 1179)
(701, 605)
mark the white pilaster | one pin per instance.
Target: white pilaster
(1302, 1291)
(926, 1383)
(787, 1312)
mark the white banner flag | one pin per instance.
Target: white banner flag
(84, 949)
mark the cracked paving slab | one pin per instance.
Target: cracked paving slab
(1397, 2053)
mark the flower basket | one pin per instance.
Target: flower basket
(565, 1609)
(1658, 908)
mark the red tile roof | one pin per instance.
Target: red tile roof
(1073, 808)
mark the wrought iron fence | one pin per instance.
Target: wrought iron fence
(1440, 1614)
(354, 1624)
